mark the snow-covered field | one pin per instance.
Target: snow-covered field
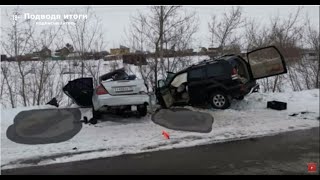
(245, 119)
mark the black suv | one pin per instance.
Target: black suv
(217, 81)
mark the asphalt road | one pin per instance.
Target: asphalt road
(286, 153)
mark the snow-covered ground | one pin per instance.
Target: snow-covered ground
(245, 119)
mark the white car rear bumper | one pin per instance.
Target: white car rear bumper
(119, 100)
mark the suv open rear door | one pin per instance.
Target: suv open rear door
(266, 62)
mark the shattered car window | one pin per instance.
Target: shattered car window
(116, 75)
(197, 74)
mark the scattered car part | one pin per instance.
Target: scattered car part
(85, 120)
(93, 121)
(53, 102)
(278, 105)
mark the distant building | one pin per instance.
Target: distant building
(112, 57)
(203, 50)
(44, 53)
(243, 54)
(310, 54)
(138, 52)
(26, 58)
(64, 52)
(120, 51)
(100, 55)
(168, 52)
(186, 52)
(57, 58)
(135, 59)
(104, 53)
(37, 58)
(212, 52)
(73, 55)
(232, 49)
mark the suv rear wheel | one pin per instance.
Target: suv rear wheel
(219, 100)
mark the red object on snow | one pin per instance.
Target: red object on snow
(312, 167)
(165, 134)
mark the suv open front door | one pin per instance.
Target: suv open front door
(266, 62)
(164, 95)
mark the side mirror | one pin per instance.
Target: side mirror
(161, 83)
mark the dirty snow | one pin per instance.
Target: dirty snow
(245, 119)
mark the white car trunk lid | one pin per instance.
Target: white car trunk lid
(123, 86)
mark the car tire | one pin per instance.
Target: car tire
(96, 114)
(142, 109)
(219, 100)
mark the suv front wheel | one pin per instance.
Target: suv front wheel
(219, 100)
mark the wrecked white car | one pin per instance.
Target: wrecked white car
(117, 92)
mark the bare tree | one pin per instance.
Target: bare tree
(45, 68)
(222, 32)
(180, 40)
(5, 71)
(160, 27)
(309, 67)
(256, 36)
(286, 34)
(137, 40)
(84, 33)
(91, 66)
(16, 43)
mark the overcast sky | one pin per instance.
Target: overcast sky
(116, 18)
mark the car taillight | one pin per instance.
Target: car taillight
(234, 71)
(100, 90)
(234, 74)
